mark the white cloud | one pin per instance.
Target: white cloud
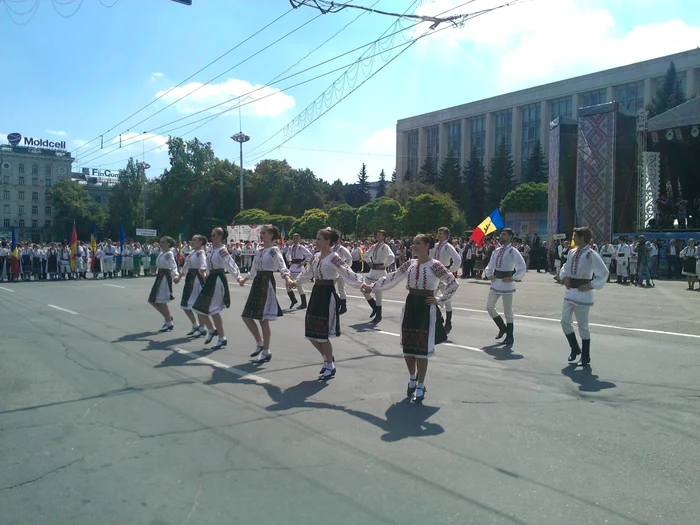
(558, 38)
(3, 137)
(156, 76)
(56, 132)
(381, 142)
(134, 142)
(79, 143)
(273, 105)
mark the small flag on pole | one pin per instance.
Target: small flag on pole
(93, 246)
(489, 225)
(14, 254)
(73, 247)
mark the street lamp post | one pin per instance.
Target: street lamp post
(241, 137)
(144, 166)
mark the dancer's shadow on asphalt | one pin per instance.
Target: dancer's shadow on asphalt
(501, 352)
(584, 377)
(364, 327)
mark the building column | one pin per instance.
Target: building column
(648, 91)
(691, 83)
(401, 154)
(517, 138)
(545, 119)
(442, 144)
(422, 148)
(466, 140)
(610, 94)
(575, 104)
(489, 137)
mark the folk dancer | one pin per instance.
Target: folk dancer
(37, 262)
(214, 297)
(379, 257)
(4, 261)
(109, 253)
(689, 256)
(96, 261)
(322, 321)
(26, 254)
(81, 261)
(64, 258)
(633, 261)
(505, 266)
(346, 256)
(262, 305)
(52, 262)
(421, 325)
(195, 271)
(623, 254)
(298, 256)
(583, 272)
(162, 290)
(450, 258)
(606, 252)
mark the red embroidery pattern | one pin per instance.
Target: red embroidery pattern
(501, 255)
(438, 269)
(577, 256)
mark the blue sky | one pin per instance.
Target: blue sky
(75, 78)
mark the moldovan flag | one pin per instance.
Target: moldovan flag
(73, 247)
(93, 245)
(489, 225)
(181, 237)
(14, 255)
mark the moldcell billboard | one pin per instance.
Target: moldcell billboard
(15, 138)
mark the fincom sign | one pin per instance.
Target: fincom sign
(15, 138)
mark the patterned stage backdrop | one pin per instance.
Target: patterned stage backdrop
(595, 173)
(652, 183)
(553, 206)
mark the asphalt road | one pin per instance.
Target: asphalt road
(105, 421)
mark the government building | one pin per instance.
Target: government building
(523, 117)
(27, 172)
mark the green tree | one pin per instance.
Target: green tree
(252, 216)
(381, 189)
(308, 224)
(450, 181)
(536, 167)
(407, 177)
(126, 201)
(282, 220)
(669, 93)
(343, 218)
(275, 185)
(380, 214)
(393, 176)
(336, 193)
(362, 189)
(474, 202)
(70, 202)
(528, 197)
(405, 190)
(427, 213)
(501, 177)
(428, 172)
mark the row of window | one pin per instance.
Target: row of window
(35, 169)
(21, 181)
(7, 209)
(6, 195)
(21, 223)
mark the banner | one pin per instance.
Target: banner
(244, 232)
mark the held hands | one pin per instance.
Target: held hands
(366, 288)
(291, 285)
(176, 280)
(241, 281)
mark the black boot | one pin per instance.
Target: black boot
(343, 306)
(373, 304)
(448, 323)
(292, 298)
(573, 344)
(509, 335)
(585, 353)
(302, 306)
(502, 330)
(377, 317)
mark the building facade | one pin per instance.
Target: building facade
(522, 118)
(26, 175)
(98, 187)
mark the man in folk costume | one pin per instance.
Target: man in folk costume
(606, 252)
(623, 260)
(64, 261)
(583, 272)
(505, 266)
(444, 252)
(81, 261)
(346, 256)
(379, 257)
(4, 260)
(298, 256)
(109, 253)
(52, 266)
(26, 254)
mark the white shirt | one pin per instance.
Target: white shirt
(379, 253)
(267, 260)
(197, 260)
(444, 252)
(220, 259)
(298, 251)
(343, 252)
(584, 263)
(330, 267)
(505, 259)
(166, 261)
(422, 277)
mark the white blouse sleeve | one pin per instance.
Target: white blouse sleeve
(600, 271)
(202, 261)
(254, 265)
(446, 277)
(392, 279)
(456, 258)
(307, 273)
(279, 260)
(520, 266)
(229, 262)
(170, 262)
(346, 274)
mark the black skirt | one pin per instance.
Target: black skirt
(203, 303)
(690, 265)
(53, 264)
(162, 274)
(26, 264)
(189, 286)
(422, 326)
(322, 319)
(258, 296)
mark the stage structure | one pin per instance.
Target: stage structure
(606, 180)
(562, 176)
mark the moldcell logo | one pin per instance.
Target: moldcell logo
(14, 138)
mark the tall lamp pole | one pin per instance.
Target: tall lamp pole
(241, 137)
(144, 166)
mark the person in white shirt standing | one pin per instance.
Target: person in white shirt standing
(346, 256)
(583, 272)
(504, 268)
(444, 252)
(379, 257)
(298, 256)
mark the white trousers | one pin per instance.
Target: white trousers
(107, 265)
(300, 287)
(340, 285)
(507, 305)
(581, 312)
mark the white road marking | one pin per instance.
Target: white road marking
(642, 330)
(216, 364)
(114, 286)
(6, 289)
(62, 309)
(472, 348)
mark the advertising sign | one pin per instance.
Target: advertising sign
(16, 139)
(94, 172)
(244, 232)
(144, 232)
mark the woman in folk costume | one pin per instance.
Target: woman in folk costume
(421, 326)
(262, 305)
(689, 257)
(323, 313)
(162, 290)
(136, 254)
(214, 297)
(195, 271)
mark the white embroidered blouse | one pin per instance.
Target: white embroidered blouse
(505, 259)
(220, 259)
(197, 260)
(425, 276)
(267, 260)
(330, 267)
(166, 261)
(584, 263)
